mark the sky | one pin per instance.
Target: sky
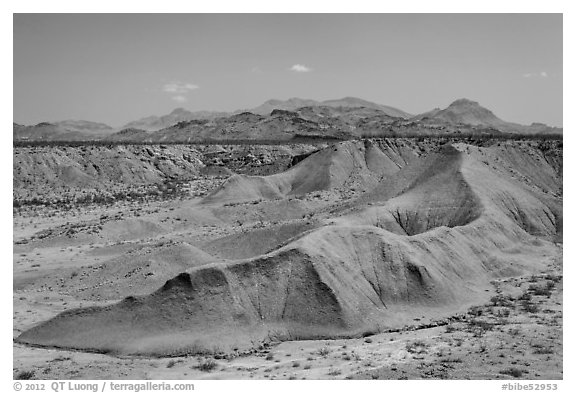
(115, 68)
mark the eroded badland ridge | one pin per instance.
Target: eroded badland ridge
(224, 255)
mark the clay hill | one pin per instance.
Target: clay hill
(422, 231)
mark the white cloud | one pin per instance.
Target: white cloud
(179, 88)
(541, 74)
(180, 98)
(300, 68)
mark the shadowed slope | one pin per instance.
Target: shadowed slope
(336, 281)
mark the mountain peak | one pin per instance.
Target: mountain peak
(464, 101)
(179, 111)
(466, 111)
(352, 99)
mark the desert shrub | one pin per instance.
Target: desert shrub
(61, 358)
(296, 364)
(171, 363)
(529, 307)
(513, 371)
(475, 311)
(334, 372)
(417, 346)
(368, 340)
(196, 349)
(502, 301)
(542, 292)
(553, 278)
(207, 365)
(514, 331)
(480, 324)
(483, 348)
(307, 367)
(25, 375)
(525, 296)
(450, 329)
(543, 351)
(452, 360)
(324, 351)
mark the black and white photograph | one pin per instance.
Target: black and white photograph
(287, 196)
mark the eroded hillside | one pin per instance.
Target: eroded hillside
(360, 236)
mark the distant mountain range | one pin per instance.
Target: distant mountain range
(73, 130)
(284, 120)
(347, 102)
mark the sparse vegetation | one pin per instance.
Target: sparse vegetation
(171, 363)
(23, 375)
(324, 351)
(207, 365)
(525, 296)
(529, 307)
(513, 372)
(417, 347)
(514, 331)
(544, 351)
(334, 371)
